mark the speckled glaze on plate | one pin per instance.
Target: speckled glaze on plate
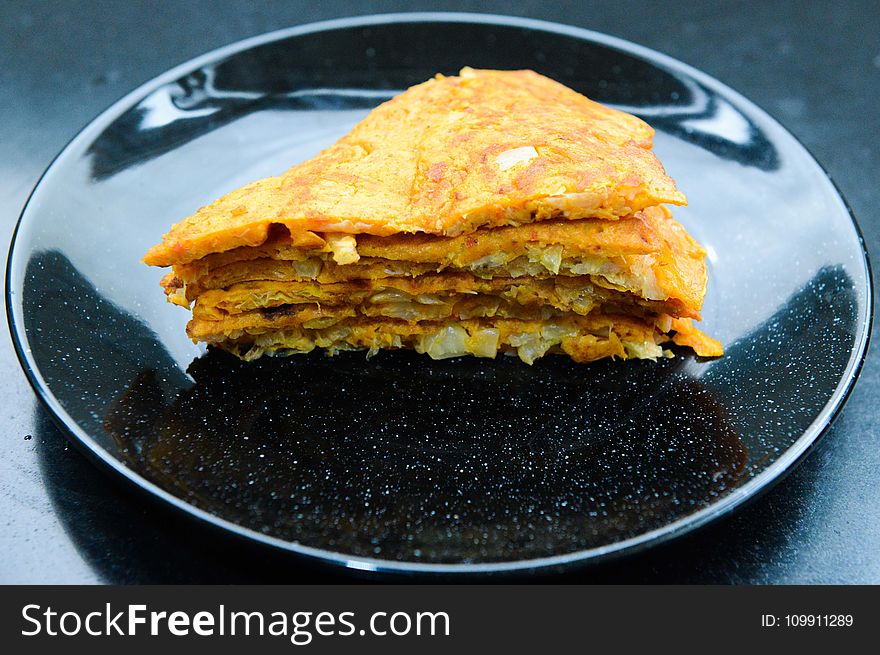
(401, 463)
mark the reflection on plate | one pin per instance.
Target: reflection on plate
(401, 462)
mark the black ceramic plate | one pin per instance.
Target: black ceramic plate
(400, 462)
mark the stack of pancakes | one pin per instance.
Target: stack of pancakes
(496, 211)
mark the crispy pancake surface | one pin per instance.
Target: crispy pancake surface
(485, 148)
(492, 212)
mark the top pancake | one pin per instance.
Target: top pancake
(446, 157)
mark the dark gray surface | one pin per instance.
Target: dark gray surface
(818, 71)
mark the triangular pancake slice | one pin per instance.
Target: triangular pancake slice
(493, 212)
(446, 157)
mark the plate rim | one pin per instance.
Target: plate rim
(751, 490)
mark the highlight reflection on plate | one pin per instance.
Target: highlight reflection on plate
(400, 462)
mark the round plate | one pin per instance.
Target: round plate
(400, 462)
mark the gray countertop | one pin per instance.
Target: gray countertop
(816, 69)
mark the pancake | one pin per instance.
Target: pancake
(492, 212)
(446, 157)
(430, 292)
(650, 254)
(584, 339)
(586, 237)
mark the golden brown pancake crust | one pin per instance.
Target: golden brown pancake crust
(486, 148)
